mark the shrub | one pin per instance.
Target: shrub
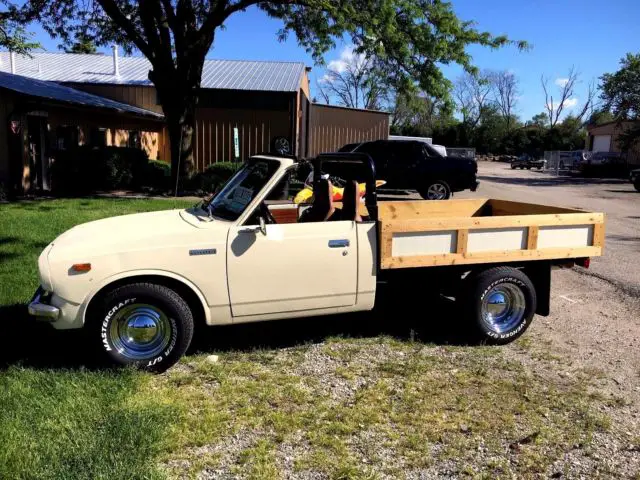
(158, 175)
(86, 169)
(213, 177)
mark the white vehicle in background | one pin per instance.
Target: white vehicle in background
(441, 149)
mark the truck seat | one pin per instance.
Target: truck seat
(322, 208)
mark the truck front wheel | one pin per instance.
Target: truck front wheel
(501, 304)
(145, 325)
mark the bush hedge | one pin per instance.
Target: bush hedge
(213, 177)
(86, 169)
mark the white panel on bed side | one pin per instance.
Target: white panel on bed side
(423, 243)
(569, 236)
(494, 239)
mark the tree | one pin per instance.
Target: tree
(566, 87)
(472, 93)
(621, 96)
(409, 39)
(505, 89)
(354, 81)
(13, 35)
(538, 120)
(83, 44)
(419, 114)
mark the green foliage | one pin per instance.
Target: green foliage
(83, 44)
(213, 177)
(158, 175)
(13, 19)
(621, 95)
(87, 169)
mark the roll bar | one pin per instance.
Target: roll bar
(350, 166)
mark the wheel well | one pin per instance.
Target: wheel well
(177, 286)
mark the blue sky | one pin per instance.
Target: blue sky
(592, 35)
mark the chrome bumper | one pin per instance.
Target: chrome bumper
(42, 310)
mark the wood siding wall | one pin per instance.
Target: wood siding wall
(214, 133)
(332, 127)
(140, 96)
(6, 107)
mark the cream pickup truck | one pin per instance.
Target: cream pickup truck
(139, 283)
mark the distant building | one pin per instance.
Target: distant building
(265, 101)
(605, 138)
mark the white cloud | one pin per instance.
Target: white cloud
(347, 57)
(561, 82)
(568, 103)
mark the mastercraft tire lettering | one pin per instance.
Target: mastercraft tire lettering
(501, 304)
(143, 324)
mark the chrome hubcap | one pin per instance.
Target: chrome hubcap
(437, 191)
(503, 307)
(140, 331)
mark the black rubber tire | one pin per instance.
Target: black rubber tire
(277, 144)
(479, 285)
(423, 191)
(161, 297)
(513, 167)
(637, 185)
(528, 168)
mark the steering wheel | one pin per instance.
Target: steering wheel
(266, 213)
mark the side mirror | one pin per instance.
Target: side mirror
(263, 225)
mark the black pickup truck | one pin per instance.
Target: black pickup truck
(415, 165)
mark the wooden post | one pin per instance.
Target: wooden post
(532, 238)
(461, 243)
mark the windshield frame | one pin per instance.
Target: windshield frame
(207, 205)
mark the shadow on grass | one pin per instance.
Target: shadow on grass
(397, 314)
(30, 343)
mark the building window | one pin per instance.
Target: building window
(66, 137)
(134, 139)
(98, 137)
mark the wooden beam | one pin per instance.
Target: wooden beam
(516, 221)
(461, 243)
(598, 235)
(507, 256)
(532, 237)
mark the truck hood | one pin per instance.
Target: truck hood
(127, 233)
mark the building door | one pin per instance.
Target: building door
(38, 162)
(602, 143)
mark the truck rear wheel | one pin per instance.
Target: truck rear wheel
(501, 304)
(435, 190)
(636, 184)
(145, 325)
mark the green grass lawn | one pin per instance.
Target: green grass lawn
(346, 408)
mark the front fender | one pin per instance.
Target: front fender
(143, 273)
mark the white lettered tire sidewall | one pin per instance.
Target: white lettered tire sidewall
(178, 314)
(485, 282)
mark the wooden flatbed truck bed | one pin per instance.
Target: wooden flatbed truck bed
(465, 232)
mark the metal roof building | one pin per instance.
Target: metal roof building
(264, 76)
(244, 107)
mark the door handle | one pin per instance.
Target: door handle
(251, 229)
(342, 243)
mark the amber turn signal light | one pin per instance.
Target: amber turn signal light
(81, 267)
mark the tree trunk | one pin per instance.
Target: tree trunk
(179, 106)
(181, 137)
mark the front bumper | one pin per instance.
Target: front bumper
(41, 309)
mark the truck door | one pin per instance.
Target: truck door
(294, 267)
